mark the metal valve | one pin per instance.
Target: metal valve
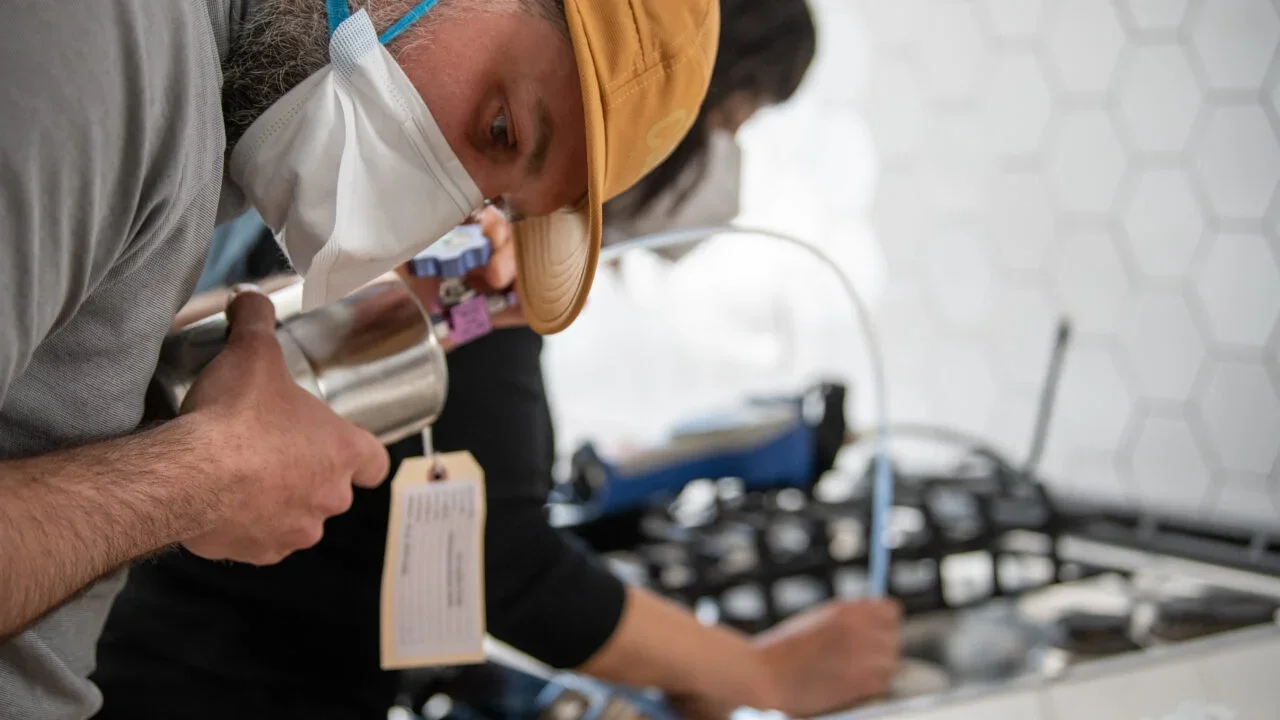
(463, 314)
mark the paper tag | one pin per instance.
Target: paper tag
(433, 577)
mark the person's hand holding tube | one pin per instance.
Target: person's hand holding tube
(834, 656)
(828, 659)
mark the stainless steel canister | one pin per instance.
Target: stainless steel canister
(372, 357)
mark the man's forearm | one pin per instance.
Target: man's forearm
(67, 518)
(660, 644)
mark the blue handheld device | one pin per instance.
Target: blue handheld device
(767, 444)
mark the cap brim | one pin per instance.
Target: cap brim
(557, 254)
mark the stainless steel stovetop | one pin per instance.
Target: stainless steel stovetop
(1157, 637)
(1164, 621)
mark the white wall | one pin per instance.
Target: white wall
(981, 167)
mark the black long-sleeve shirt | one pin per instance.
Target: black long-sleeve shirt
(192, 638)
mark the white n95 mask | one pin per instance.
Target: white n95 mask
(349, 169)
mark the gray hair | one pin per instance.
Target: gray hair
(283, 42)
(550, 11)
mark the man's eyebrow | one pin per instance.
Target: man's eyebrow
(544, 128)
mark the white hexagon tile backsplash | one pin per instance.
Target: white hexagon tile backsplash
(1015, 104)
(1083, 40)
(1087, 161)
(1238, 160)
(1136, 188)
(1158, 97)
(1236, 40)
(1163, 222)
(1154, 15)
(1163, 345)
(984, 167)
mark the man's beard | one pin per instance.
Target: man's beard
(281, 43)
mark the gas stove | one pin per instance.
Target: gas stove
(1005, 589)
(1017, 604)
(1146, 634)
(752, 559)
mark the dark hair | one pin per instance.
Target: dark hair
(766, 46)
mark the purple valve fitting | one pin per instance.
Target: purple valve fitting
(469, 320)
(465, 313)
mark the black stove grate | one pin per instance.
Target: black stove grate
(756, 558)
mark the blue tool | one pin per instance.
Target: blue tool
(767, 444)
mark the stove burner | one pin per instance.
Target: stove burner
(956, 512)
(794, 594)
(1088, 635)
(914, 577)
(846, 539)
(993, 643)
(850, 583)
(744, 603)
(789, 537)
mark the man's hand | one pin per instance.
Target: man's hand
(287, 462)
(833, 656)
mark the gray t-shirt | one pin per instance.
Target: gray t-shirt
(111, 147)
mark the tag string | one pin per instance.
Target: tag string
(340, 10)
(429, 452)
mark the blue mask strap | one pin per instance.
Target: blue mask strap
(409, 18)
(340, 10)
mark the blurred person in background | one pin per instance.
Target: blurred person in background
(761, 61)
(195, 639)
